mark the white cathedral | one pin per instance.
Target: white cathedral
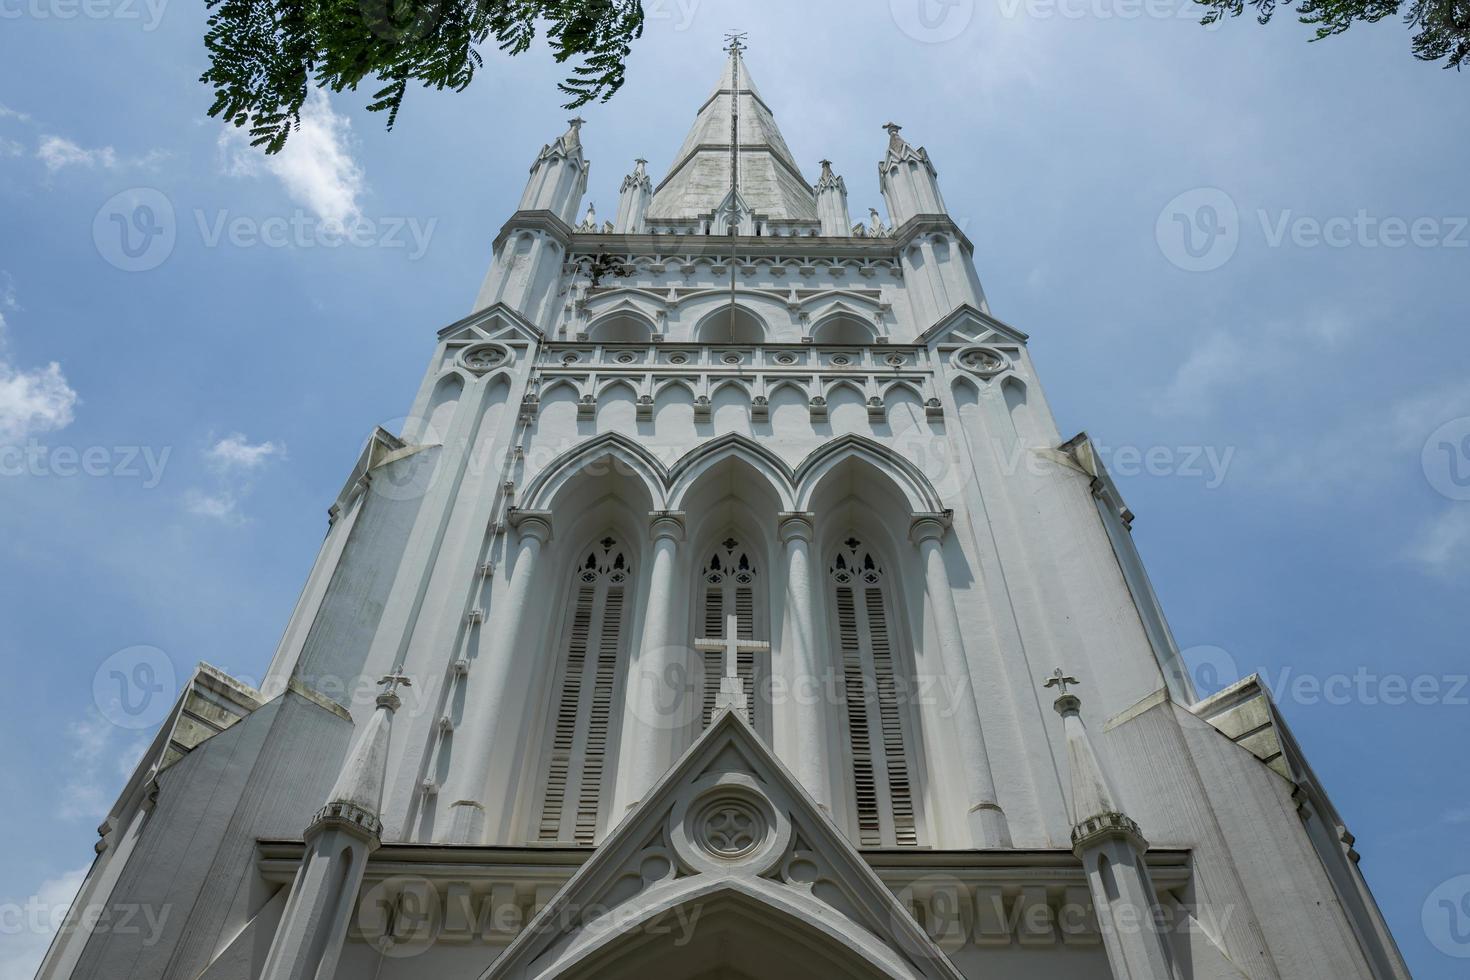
(740, 613)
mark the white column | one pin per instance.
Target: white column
(661, 696)
(813, 767)
(485, 691)
(986, 820)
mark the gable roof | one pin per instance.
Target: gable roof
(727, 826)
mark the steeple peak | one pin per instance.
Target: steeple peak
(734, 144)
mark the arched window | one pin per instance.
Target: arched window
(731, 635)
(873, 676)
(731, 325)
(580, 737)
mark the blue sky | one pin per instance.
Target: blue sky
(1297, 366)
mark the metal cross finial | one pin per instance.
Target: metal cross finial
(737, 42)
(1060, 680)
(390, 683)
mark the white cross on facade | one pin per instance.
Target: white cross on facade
(732, 693)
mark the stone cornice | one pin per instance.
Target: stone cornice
(1106, 826)
(278, 860)
(543, 221)
(347, 817)
(890, 247)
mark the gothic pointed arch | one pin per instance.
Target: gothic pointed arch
(623, 325)
(917, 490)
(627, 454)
(685, 473)
(731, 325)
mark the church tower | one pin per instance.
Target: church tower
(715, 583)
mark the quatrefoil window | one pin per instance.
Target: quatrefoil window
(983, 361)
(730, 828)
(483, 357)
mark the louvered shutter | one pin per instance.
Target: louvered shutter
(714, 629)
(895, 752)
(582, 723)
(594, 757)
(565, 731)
(878, 742)
(865, 788)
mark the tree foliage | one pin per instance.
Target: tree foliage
(267, 55)
(1442, 26)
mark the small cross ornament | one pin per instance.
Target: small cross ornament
(1060, 680)
(389, 698)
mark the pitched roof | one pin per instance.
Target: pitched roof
(728, 825)
(699, 180)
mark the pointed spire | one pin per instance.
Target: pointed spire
(831, 191)
(735, 129)
(828, 179)
(896, 143)
(573, 135)
(1095, 811)
(639, 176)
(356, 800)
(909, 190)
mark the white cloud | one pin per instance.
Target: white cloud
(8, 113)
(57, 152)
(1222, 360)
(232, 459)
(1219, 359)
(42, 912)
(316, 167)
(1443, 545)
(10, 148)
(84, 795)
(236, 452)
(219, 506)
(33, 401)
